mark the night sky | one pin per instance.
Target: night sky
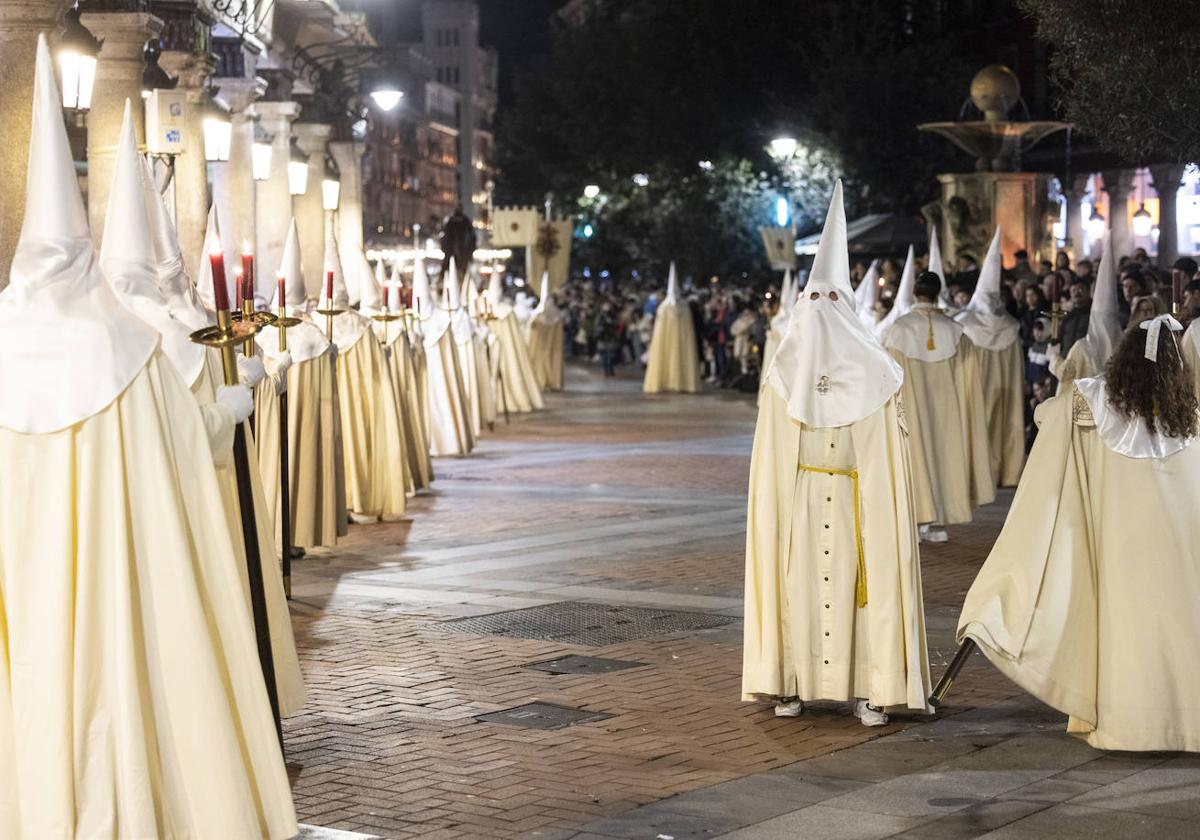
(519, 29)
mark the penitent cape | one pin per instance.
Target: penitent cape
(546, 340)
(830, 472)
(1090, 592)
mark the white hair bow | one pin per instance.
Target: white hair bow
(1154, 327)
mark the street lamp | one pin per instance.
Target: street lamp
(218, 131)
(77, 53)
(297, 169)
(331, 185)
(387, 97)
(1095, 224)
(153, 76)
(783, 148)
(781, 211)
(1142, 223)
(641, 179)
(591, 191)
(260, 155)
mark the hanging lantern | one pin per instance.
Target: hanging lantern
(77, 53)
(297, 170)
(331, 185)
(1142, 221)
(218, 131)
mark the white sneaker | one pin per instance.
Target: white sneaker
(868, 715)
(363, 519)
(937, 535)
(789, 708)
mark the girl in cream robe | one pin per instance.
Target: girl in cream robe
(833, 582)
(948, 434)
(672, 365)
(1088, 599)
(131, 696)
(1000, 361)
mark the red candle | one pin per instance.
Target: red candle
(329, 288)
(239, 287)
(385, 299)
(220, 290)
(281, 281)
(248, 271)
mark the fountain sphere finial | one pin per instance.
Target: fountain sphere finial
(995, 90)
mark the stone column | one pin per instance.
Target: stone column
(20, 23)
(1166, 184)
(1118, 183)
(1075, 192)
(233, 180)
(274, 205)
(190, 185)
(118, 78)
(348, 156)
(310, 214)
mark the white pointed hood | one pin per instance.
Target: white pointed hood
(905, 298)
(787, 301)
(829, 368)
(182, 298)
(434, 320)
(67, 347)
(295, 298)
(672, 285)
(1104, 322)
(547, 312)
(213, 242)
(128, 260)
(460, 318)
(396, 283)
(348, 326)
(984, 320)
(370, 286)
(867, 294)
(495, 290)
(935, 265)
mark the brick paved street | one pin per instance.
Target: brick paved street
(610, 498)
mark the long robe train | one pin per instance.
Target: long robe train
(449, 412)
(521, 392)
(132, 703)
(546, 353)
(1001, 382)
(673, 364)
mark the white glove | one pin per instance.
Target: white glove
(1053, 354)
(250, 370)
(238, 399)
(277, 368)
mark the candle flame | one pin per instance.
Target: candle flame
(246, 247)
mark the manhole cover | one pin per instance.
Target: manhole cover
(583, 665)
(542, 716)
(580, 623)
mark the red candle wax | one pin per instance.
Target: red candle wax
(248, 274)
(329, 288)
(385, 299)
(220, 290)
(282, 282)
(239, 287)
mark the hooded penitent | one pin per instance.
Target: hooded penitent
(673, 363)
(305, 341)
(547, 310)
(1104, 322)
(829, 369)
(546, 340)
(865, 296)
(127, 257)
(935, 265)
(132, 701)
(672, 285)
(830, 501)
(904, 299)
(177, 287)
(348, 326)
(985, 320)
(67, 347)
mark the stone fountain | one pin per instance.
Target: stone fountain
(974, 203)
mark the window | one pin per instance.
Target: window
(455, 37)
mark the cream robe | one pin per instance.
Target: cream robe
(288, 681)
(521, 392)
(474, 377)
(948, 434)
(401, 371)
(1078, 364)
(804, 634)
(132, 703)
(546, 352)
(1002, 384)
(449, 412)
(420, 370)
(673, 364)
(1189, 346)
(1088, 599)
(316, 467)
(372, 443)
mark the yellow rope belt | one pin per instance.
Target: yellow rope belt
(860, 583)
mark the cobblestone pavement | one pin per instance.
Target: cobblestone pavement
(610, 498)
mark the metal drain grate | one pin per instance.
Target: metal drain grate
(542, 716)
(583, 665)
(581, 623)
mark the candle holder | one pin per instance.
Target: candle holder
(385, 318)
(283, 322)
(225, 335)
(1055, 315)
(329, 313)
